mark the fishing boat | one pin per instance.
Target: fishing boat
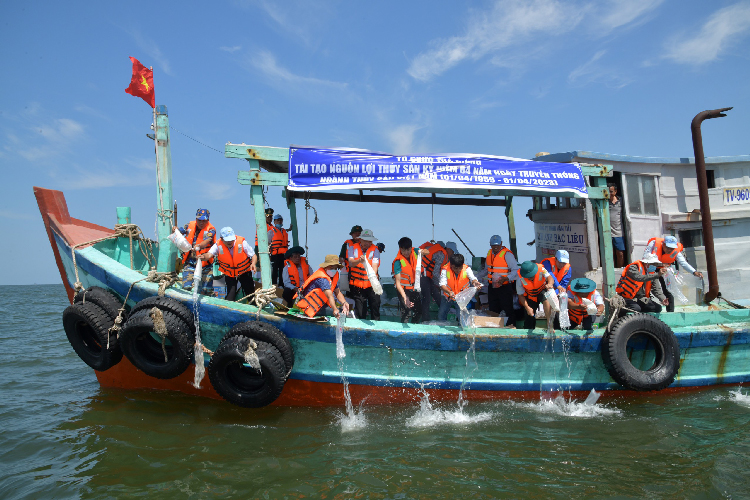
(125, 299)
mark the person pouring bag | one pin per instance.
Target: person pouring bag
(201, 238)
(559, 267)
(237, 261)
(360, 288)
(533, 280)
(296, 272)
(668, 250)
(579, 289)
(321, 289)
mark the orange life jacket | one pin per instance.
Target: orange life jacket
(559, 273)
(496, 264)
(408, 269)
(627, 287)
(428, 260)
(577, 315)
(667, 258)
(235, 263)
(532, 287)
(280, 242)
(269, 227)
(192, 238)
(349, 243)
(457, 283)
(314, 301)
(293, 271)
(358, 274)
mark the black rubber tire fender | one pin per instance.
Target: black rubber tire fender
(167, 304)
(257, 330)
(665, 345)
(142, 346)
(87, 327)
(103, 298)
(240, 384)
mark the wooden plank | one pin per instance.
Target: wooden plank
(605, 241)
(250, 152)
(292, 206)
(597, 170)
(511, 225)
(258, 178)
(256, 196)
(410, 200)
(167, 251)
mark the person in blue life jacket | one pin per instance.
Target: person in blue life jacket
(559, 267)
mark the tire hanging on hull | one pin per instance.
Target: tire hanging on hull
(257, 330)
(650, 332)
(87, 328)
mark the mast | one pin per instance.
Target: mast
(167, 251)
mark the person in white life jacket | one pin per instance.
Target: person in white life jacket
(237, 262)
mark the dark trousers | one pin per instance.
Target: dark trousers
(430, 291)
(641, 305)
(277, 269)
(501, 299)
(414, 314)
(288, 295)
(667, 294)
(364, 299)
(529, 322)
(245, 280)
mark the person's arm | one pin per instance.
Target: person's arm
(251, 254)
(682, 261)
(287, 280)
(599, 302)
(342, 253)
(657, 292)
(332, 302)
(443, 284)
(510, 259)
(207, 242)
(474, 281)
(351, 256)
(522, 302)
(566, 280)
(437, 260)
(649, 249)
(548, 266)
(342, 301)
(212, 252)
(635, 273)
(573, 305)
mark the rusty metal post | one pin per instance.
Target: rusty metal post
(700, 172)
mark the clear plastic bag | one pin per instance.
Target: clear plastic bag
(340, 351)
(418, 273)
(552, 299)
(564, 318)
(674, 282)
(179, 241)
(464, 297)
(374, 281)
(591, 309)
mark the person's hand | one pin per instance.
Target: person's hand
(501, 280)
(408, 303)
(336, 312)
(665, 302)
(252, 266)
(477, 284)
(600, 309)
(424, 251)
(196, 249)
(452, 295)
(698, 274)
(662, 271)
(529, 310)
(561, 289)
(345, 308)
(549, 286)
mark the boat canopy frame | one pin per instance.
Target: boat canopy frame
(269, 166)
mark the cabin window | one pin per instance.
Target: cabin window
(642, 196)
(710, 179)
(691, 238)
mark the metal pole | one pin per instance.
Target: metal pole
(167, 251)
(462, 241)
(700, 172)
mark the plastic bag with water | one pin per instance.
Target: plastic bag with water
(179, 241)
(552, 299)
(418, 273)
(564, 318)
(591, 309)
(374, 281)
(464, 297)
(674, 282)
(340, 351)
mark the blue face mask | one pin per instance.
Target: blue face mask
(278, 224)
(651, 269)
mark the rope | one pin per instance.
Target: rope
(315, 221)
(261, 298)
(616, 304)
(160, 328)
(196, 140)
(129, 231)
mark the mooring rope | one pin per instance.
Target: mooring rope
(616, 304)
(261, 298)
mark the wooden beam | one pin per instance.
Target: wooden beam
(410, 200)
(597, 170)
(250, 152)
(258, 178)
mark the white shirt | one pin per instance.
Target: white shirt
(680, 258)
(245, 246)
(444, 276)
(519, 285)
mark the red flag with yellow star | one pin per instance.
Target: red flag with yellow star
(142, 83)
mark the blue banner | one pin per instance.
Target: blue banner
(317, 169)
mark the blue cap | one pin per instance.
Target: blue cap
(227, 233)
(202, 214)
(496, 240)
(441, 243)
(452, 246)
(670, 241)
(562, 256)
(277, 217)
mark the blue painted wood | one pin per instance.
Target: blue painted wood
(250, 152)
(262, 178)
(392, 354)
(166, 258)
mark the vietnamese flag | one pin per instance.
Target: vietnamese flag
(142, 83)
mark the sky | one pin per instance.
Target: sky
(510, 78)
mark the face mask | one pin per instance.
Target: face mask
(278, 224)
(651, 269)
(331, 272)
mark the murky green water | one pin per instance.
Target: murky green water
(62, 436)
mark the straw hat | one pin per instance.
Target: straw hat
(331, 260)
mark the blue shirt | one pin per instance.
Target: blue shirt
(564, 281)
(321, 283)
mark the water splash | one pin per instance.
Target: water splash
(352, 419)
(428, 416)
(738, 397)
(570, 408)
(470, 368)
(200, 368)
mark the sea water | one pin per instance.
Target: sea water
(62, 436)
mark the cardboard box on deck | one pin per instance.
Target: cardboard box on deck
(492, 321)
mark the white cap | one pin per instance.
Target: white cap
(562, 256)
(367, 235)
(651, 259)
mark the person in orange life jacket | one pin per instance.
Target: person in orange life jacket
(237, 261)
(201, 234)
(278, 244)
(269, 229)
(429, 281)
(533, 280)
(321, 290)
(360, 288)
(639, 281)
(455, 276)
(404, 271)
(296, 272)
(559, 267)
(354, 233)
(578, 289)
(668, 250)
(502, 267)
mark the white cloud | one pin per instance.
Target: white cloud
(104, 176)
(232, 49)
(721, 30)
(301, 19)
(50, 139)
(148, 46)
(265, 62)
(216, 191)
(619, 13)
(402, 139)
(591, 71)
